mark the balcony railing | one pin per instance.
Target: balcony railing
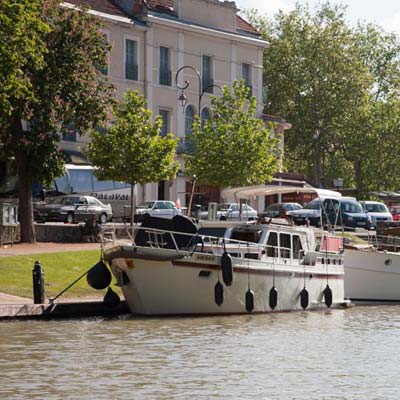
(165, 77)
(131, 71)
(185, 146)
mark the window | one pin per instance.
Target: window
(92, 202)
(165, 66)
(169, 206)
(246, 76)
(284, 245)
(189, 119)
(131, 66)
(207, 78)
(80, 180)
(164, 114)
(272, 244)
(205, 115)
(297, 247)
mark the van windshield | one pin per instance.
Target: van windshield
(351, 207)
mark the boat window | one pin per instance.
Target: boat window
(252, 236)
(272, 244)
(284, 245)
(297, 247)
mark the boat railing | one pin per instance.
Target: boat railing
(195, 242)
(384, 242)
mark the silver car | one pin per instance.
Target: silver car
(73, 208)
(156, 208)
(377, 211)
(231, 211)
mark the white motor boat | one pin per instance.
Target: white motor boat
(173, 267)
(372, 273)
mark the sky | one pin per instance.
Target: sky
(385, 13)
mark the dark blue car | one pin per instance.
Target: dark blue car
(346, 212)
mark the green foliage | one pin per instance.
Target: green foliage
(22, 46)
(132, 149)
(324, 76)
(54, 81)
(234, 148)
(60, 269)
(50, 78)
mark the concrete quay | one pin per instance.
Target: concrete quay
(15, 308)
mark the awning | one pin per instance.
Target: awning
(252, 192)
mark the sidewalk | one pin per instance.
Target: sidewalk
(45, 247)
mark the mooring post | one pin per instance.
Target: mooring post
(38, 283)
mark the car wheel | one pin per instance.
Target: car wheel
(70, 218)
(103, 219)
(223, 218)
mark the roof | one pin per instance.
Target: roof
(251, 192)
(161, 6)
(243, 25)
(105, 6)
(167, 6)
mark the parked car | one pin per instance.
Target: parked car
(230, 211)
(310, 213)
(73, 208)
(279, 210)
(346, 212)
(395, 211)
(378, 211)
(156, 208)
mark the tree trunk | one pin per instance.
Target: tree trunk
(25, 208)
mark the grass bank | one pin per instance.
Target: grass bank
(60, 269)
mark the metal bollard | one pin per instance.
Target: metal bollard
(38, 283)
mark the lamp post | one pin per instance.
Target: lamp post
(182, 97)
(182, 100)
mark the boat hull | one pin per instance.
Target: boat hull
(185, 286)
(372, 276)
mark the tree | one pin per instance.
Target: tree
(233, 148)
(372, 142)
(336, 85)
(50, 83)
(315, 78)
(132, 149)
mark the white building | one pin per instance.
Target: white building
(152, 40)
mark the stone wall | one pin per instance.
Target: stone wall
(70, 233)
(65, 233)
(10, 234)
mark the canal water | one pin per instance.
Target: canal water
(338, 354)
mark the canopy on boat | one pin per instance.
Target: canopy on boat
(251, 192)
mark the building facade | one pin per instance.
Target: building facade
(205, 41)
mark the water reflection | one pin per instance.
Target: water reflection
(339, 354)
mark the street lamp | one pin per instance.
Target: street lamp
(182, 97)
